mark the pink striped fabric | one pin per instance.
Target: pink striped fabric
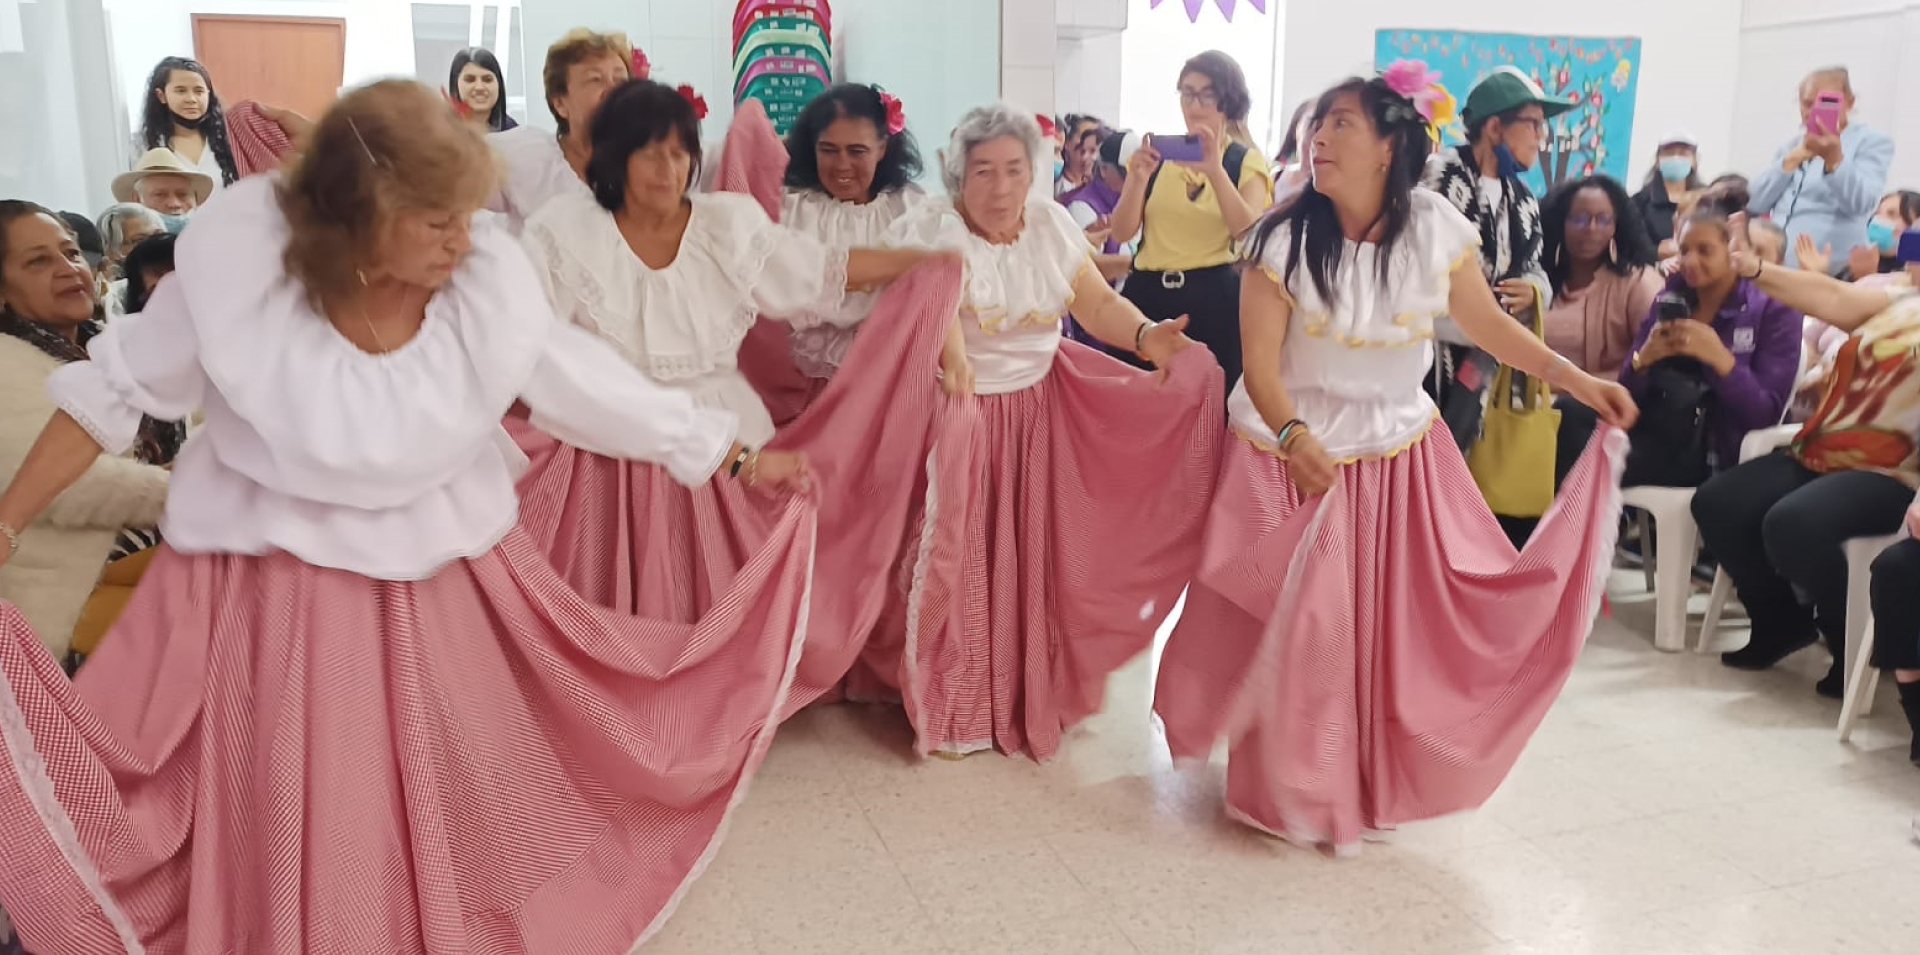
(626, 536)
(1061, 525)
(270, 757)
(754, 163)
(259, 144)
(1379, 655)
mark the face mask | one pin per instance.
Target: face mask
(175, 223)
(1883, 236)
(1675, 168)
(1510, 167)
(185, 123)
(1059, 168)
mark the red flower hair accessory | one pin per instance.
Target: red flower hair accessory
(1047, 127)
(695, 100)
(640, 68)
(465, 111)
(896, 112)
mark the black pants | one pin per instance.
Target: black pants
(1896, 607)
(1210, 298)
(1777, 527)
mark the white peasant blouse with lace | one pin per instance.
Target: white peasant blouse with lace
(820, 349)
(683, 324)
(388, 465)
(1354, 368)
(1014, 294)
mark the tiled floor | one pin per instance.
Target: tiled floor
(1667, 807)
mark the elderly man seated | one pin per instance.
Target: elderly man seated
(163, 182)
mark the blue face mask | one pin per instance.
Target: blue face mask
(1510, 167)
(1059, 168)
(1675, 168)
(175, 223)
(1883, 236)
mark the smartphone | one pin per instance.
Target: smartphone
(1910, 247)
(1824, 118)
(1178, 148)
(1671, 307)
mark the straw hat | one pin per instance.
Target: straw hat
(161, 162)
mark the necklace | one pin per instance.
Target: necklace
(378, 342)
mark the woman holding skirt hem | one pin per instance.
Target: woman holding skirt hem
(351, 707)
(675, 283)
(1360, 629)
(1063, 509)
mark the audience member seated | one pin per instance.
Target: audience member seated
(1825, 182)
(1715, 358)
(1777, 524)
(47, 314)
(1769, 241)
(122, 227)
(163, 182)
(147, 264)
(1674, 176)
(1600, 264)
(1896, 621)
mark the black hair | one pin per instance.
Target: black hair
(157, 122)
(153, 253)
(1727, 195)
(636, 114)
(1314, 234)
(1632, 249)
(86, 235)
(1909, 203)
(484, 58)
(896, 170)
(1290, 144)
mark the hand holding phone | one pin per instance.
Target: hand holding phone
(1178, 148)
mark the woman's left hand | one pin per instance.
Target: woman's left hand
(1212, 155)
(1609, 398)
(1697, 340)
(296, 126)
(1165, 340)
(1516, 295)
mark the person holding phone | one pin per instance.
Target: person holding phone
(1830, 174)
(1189, 198)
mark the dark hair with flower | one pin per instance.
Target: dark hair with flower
(896, 170)
(637, 114)
(1405, 120)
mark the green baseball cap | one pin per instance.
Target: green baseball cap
(1508, 88)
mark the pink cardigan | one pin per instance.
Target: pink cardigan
(1595, 327)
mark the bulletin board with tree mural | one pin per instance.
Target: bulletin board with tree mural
(1600, 75)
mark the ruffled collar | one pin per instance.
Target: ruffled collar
(1028, 281)
(847, 223)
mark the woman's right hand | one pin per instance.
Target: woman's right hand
(956, 374)
(772, 471)
(1309, 466)
(1145, 160)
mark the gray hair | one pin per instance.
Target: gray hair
(984, 124)
(113, 224)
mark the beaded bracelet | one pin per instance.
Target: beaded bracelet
(738, 460)
(1288, 431)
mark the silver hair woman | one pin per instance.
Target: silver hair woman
(1072, 461)
(122, 227)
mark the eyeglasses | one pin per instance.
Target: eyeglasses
(1583, 221)
(1538, 125)
(1207, 98)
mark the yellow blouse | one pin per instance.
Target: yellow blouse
(1184, 228)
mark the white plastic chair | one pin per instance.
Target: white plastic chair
(1757, 444)
(1670, 566)
(1861, 678)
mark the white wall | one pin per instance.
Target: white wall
(1689, 73)
(57, 100)
(1781, 41)
(1159, 41)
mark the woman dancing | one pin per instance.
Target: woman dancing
(1360, 629)
(675, 282)
(352, 708)
(1064, 515)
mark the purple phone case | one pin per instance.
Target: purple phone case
(1178, 148)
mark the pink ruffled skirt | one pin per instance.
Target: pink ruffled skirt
(1060, 524)
(628, 537)
(271, 757)
(1380, 654)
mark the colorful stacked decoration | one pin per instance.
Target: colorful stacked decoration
(782, 55)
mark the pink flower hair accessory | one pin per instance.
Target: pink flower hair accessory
(896, 112)
(1413, 80)
(695, 100)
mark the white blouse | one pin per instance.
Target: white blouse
(386, 465)
(1354, 368)
(683, 324)
(820, 350)
(536, 172)
(1014, 294)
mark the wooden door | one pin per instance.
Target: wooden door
(293, 62)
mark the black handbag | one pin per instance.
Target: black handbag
(1672, 446)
